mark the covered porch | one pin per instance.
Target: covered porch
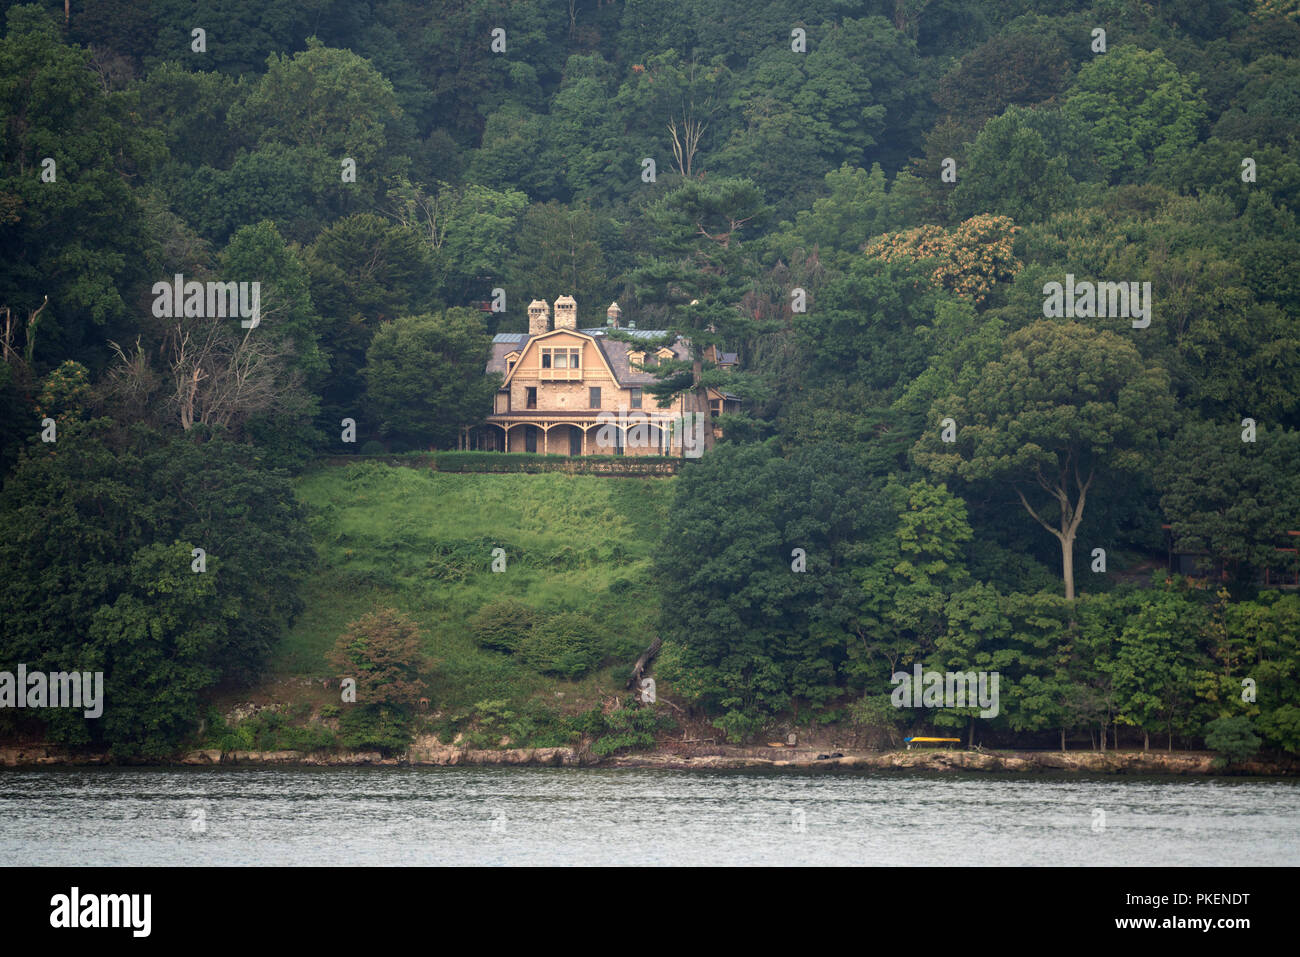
(573, 434)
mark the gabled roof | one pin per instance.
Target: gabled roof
(613, 351)
(532, 340)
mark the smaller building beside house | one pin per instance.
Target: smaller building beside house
(573, 391)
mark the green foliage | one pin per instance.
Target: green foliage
(1063, 403)
(856, 209)
(532, 462)
(529, 724)
(503, 625)
(326, 99)
(268, 730)
(566, 645)
(1155, 663)
(363, 728)
(558, 249)
(777, 171)
(806, 114)
(1011, 171)
(364, 271)
(629, 727)
(424, 376)
(422, 541)
(79, 241)
(1011, 69)
(1233, 737)
(100, 545)
(754, 634)
(1234, 500)
(1139, 109)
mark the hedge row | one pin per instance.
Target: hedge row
(532, 462)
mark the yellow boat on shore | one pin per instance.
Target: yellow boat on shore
(910, 741)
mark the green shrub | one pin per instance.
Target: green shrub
(630, 727)
(1234, 738)
(567, 645)
(268, 731)
(372, 447)
(365, 728)
(739, 726)
(503, 625)
(591, 723)
(533, 462)
(535, 725)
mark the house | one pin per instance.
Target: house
(572, 391)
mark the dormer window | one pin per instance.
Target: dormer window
(563, 358)
(562, 363)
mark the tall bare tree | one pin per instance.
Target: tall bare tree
(213, 373)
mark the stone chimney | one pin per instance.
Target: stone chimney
(566, 313)
(612, 315)
(539, 317)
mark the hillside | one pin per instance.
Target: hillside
(421, 541)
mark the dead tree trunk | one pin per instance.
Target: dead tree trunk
(642, 663)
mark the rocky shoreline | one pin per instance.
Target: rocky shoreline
(429, 752)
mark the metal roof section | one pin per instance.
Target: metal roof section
(597, 331)
(634, 333)
(614, 351)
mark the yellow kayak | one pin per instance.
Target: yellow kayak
(911, 741)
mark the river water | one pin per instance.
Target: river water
(498, 816)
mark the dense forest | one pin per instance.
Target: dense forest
(962, 444)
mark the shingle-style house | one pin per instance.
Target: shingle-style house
(571, 391)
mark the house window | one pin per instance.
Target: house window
(593, 397)
(510, 366)
(561, 358)
(636, 398)
(531, 401)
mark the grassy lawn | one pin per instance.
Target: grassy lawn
(422, 541)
